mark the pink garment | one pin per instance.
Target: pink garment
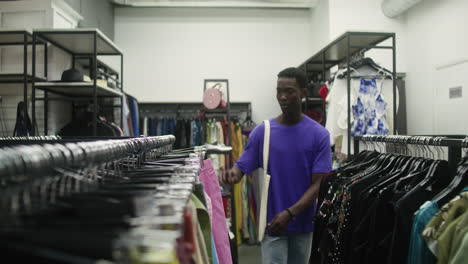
(219, 228)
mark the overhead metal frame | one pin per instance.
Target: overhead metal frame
(341, 50)
(44, 36)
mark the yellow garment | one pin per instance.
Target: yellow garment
(237, 146)
(237, 149)
(160, 257)
(207, 132)
(220, 140)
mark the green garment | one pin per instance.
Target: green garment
(445, 242)
(461, 255)
(460, 231)
(204, 221)
(440, 222)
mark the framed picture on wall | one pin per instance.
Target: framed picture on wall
(215, 93)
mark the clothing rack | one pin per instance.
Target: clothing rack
(454, 145)
(344, 49)
(60, 153)
(182, 109)
(118, 186)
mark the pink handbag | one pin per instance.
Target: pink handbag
(213, 97)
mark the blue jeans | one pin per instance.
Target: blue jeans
(289, 249)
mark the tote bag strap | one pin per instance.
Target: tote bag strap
(265, 182)
(266, 146)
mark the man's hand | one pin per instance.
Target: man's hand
(234, 175)
(278, 225)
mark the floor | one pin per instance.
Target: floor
(249, 254)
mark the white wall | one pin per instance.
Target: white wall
(320, 26)
(437, 36)
(169, 52)
(366, 15)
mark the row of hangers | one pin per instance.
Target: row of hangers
(108, 217)
(33, 176)
(365, 62)
(421, 164)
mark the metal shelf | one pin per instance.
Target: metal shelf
(17, 78)
(336, 51)
(79, 41)
(185, 107)
(13, 37)
(85, 62)
(314, 99)
(77, 89)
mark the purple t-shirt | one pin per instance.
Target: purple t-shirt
(295, 153)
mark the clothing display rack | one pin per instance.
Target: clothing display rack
(81, 44)
(196, 110)
(342, 49)
(128, 200)
(374, 207)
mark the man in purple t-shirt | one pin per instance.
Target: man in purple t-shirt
(300, 155)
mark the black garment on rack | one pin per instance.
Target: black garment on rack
(327, 181)
(367, 213)
(83, 126)
(23, 125)
(188, 133)
(405, 209)
(180, 135)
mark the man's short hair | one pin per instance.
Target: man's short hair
(293, 72)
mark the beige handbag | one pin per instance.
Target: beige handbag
(264, 183)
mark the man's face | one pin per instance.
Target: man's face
(289, 95)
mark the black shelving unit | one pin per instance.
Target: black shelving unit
(80, 44)
(21, 38)
(179, 109)
(315, 101)
(105, 72)
(341, 50)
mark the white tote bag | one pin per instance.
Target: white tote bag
(264, 183)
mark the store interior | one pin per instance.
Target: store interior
(95, 94)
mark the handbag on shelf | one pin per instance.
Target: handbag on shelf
(213, 97)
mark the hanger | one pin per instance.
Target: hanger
(366, 62)
(457, 184)
(361, 158)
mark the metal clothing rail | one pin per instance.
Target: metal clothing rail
(40, 140)
(454, 145)
(34, 159)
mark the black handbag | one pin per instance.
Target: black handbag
(23, 125)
